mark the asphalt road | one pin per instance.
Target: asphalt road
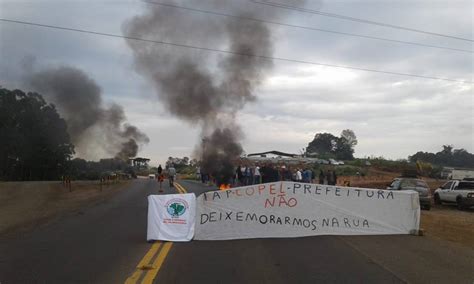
(106, 242)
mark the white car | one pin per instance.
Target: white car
(460, 192)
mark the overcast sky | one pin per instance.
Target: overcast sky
(392, 116)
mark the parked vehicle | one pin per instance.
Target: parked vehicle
(415, 184)
(460, 192)
(151, 176)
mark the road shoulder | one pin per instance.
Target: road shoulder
(418, 259)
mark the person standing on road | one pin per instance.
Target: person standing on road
(263, 173)
(249, 172)
(171, 175)
(313, 175)
(298, 176)
(289, 174)
(240, 175)
(203, 176)
(332, 177)
(243, 169)
(274, 174)
(304, 178)
(329, 177)
(321, 177)
(307, 175)
(256, 175)
(160, 177)
(198, 173)
(282, 173)
(248, 177)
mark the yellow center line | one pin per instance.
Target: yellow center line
(152, 269)
(180, 188)
(177, 188)
(143, 264)
(150, 275)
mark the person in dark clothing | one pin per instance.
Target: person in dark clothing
(329, 177)
(160, 177)
(276, 174)
(272, 173)
(288, 176)
(264, 173)
(268, 173)
(240, 175)
(247, 175)
(321, 177)
(205, 178)
(334, 177)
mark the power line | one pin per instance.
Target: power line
(231, 52)
(301, 27)
(304, 10)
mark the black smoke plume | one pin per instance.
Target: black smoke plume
(95, 130)
(219, 149)
(205, 88)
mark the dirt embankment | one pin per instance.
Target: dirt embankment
(442, 222)
(381, 179)
(24, 205)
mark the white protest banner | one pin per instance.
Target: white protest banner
(171, 217)
(288, 209)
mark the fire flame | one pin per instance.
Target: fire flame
(224, 186)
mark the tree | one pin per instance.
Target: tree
(35, 144)
(344, 149)
(345, 145)
(326, 145)
(423, 156)
(322, 144)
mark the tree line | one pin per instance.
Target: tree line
(448, 156)
(327, 145)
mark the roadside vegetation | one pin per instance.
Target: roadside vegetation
(35, 143)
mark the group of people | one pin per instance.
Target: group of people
(171, 173)
(248, 174)
(204, 177)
